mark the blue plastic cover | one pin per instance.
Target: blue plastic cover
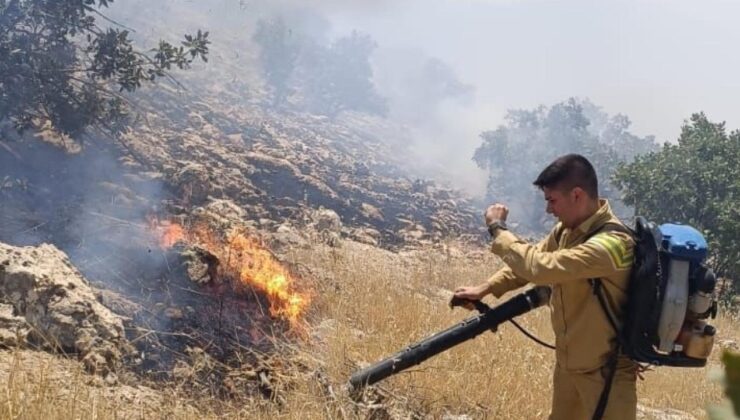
(683, 242)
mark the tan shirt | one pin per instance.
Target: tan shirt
(583, 335)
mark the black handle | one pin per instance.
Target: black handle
(479, 305)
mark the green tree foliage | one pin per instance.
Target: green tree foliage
(697, 182)
(516, 152)
(58, 66)
(324, 79)
(731, 380)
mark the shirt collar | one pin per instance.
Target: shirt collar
(602, 215)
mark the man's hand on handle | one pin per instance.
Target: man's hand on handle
(472, 293)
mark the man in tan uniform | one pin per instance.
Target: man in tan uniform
(572, 253)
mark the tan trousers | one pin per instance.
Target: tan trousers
(575, 395)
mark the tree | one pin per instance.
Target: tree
(303, 73)
(518, 150)
(59, 67)
(279, 51)
(339, 78)
(696, 182)
(613, 131)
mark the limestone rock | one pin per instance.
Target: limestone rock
(366, 236)
(13, 328)
(275, 166)
(193, 182)
(286, 237)
(220, 214)
(327, 220)
(372, 212)
(200, 265)
(59, 306)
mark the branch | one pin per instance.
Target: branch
(107, 92)
(164, 72)
(80, 28)
(71, 71)
(111, 130)
(113, 21)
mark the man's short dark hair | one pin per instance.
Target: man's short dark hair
(568, 172)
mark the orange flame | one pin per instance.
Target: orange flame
(172, 234)
(257, 267)
(168, 233)
(244, 259)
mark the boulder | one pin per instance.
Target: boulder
(371, 212)
(220, 214)
(13, 329)
(58, 307)
(327, 220)
(367, 236)
(286, 237)
(193, 181)
(201, 265)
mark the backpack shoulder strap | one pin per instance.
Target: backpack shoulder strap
(597, 287)
(596, 283)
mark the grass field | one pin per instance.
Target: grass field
(368, 304)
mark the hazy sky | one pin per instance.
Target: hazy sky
(656, 61)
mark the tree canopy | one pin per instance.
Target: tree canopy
(695, 182)
(59, 67)
(516, 152)
(279, 51)
(303, 73)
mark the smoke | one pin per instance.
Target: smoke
(95, 208)
(425, 94)
(87, 204)
(512, 54)
(363, 7)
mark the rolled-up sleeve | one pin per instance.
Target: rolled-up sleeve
(600, 256)
(505, 280)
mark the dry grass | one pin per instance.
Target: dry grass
(368, 304)
(41, 386)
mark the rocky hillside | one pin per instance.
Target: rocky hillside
(201, 156)
(277, 166)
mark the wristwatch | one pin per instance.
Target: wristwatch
(496, 225)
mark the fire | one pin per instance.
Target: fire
(172, 234)
(168, 233)
(245, 260)
(258, 268)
